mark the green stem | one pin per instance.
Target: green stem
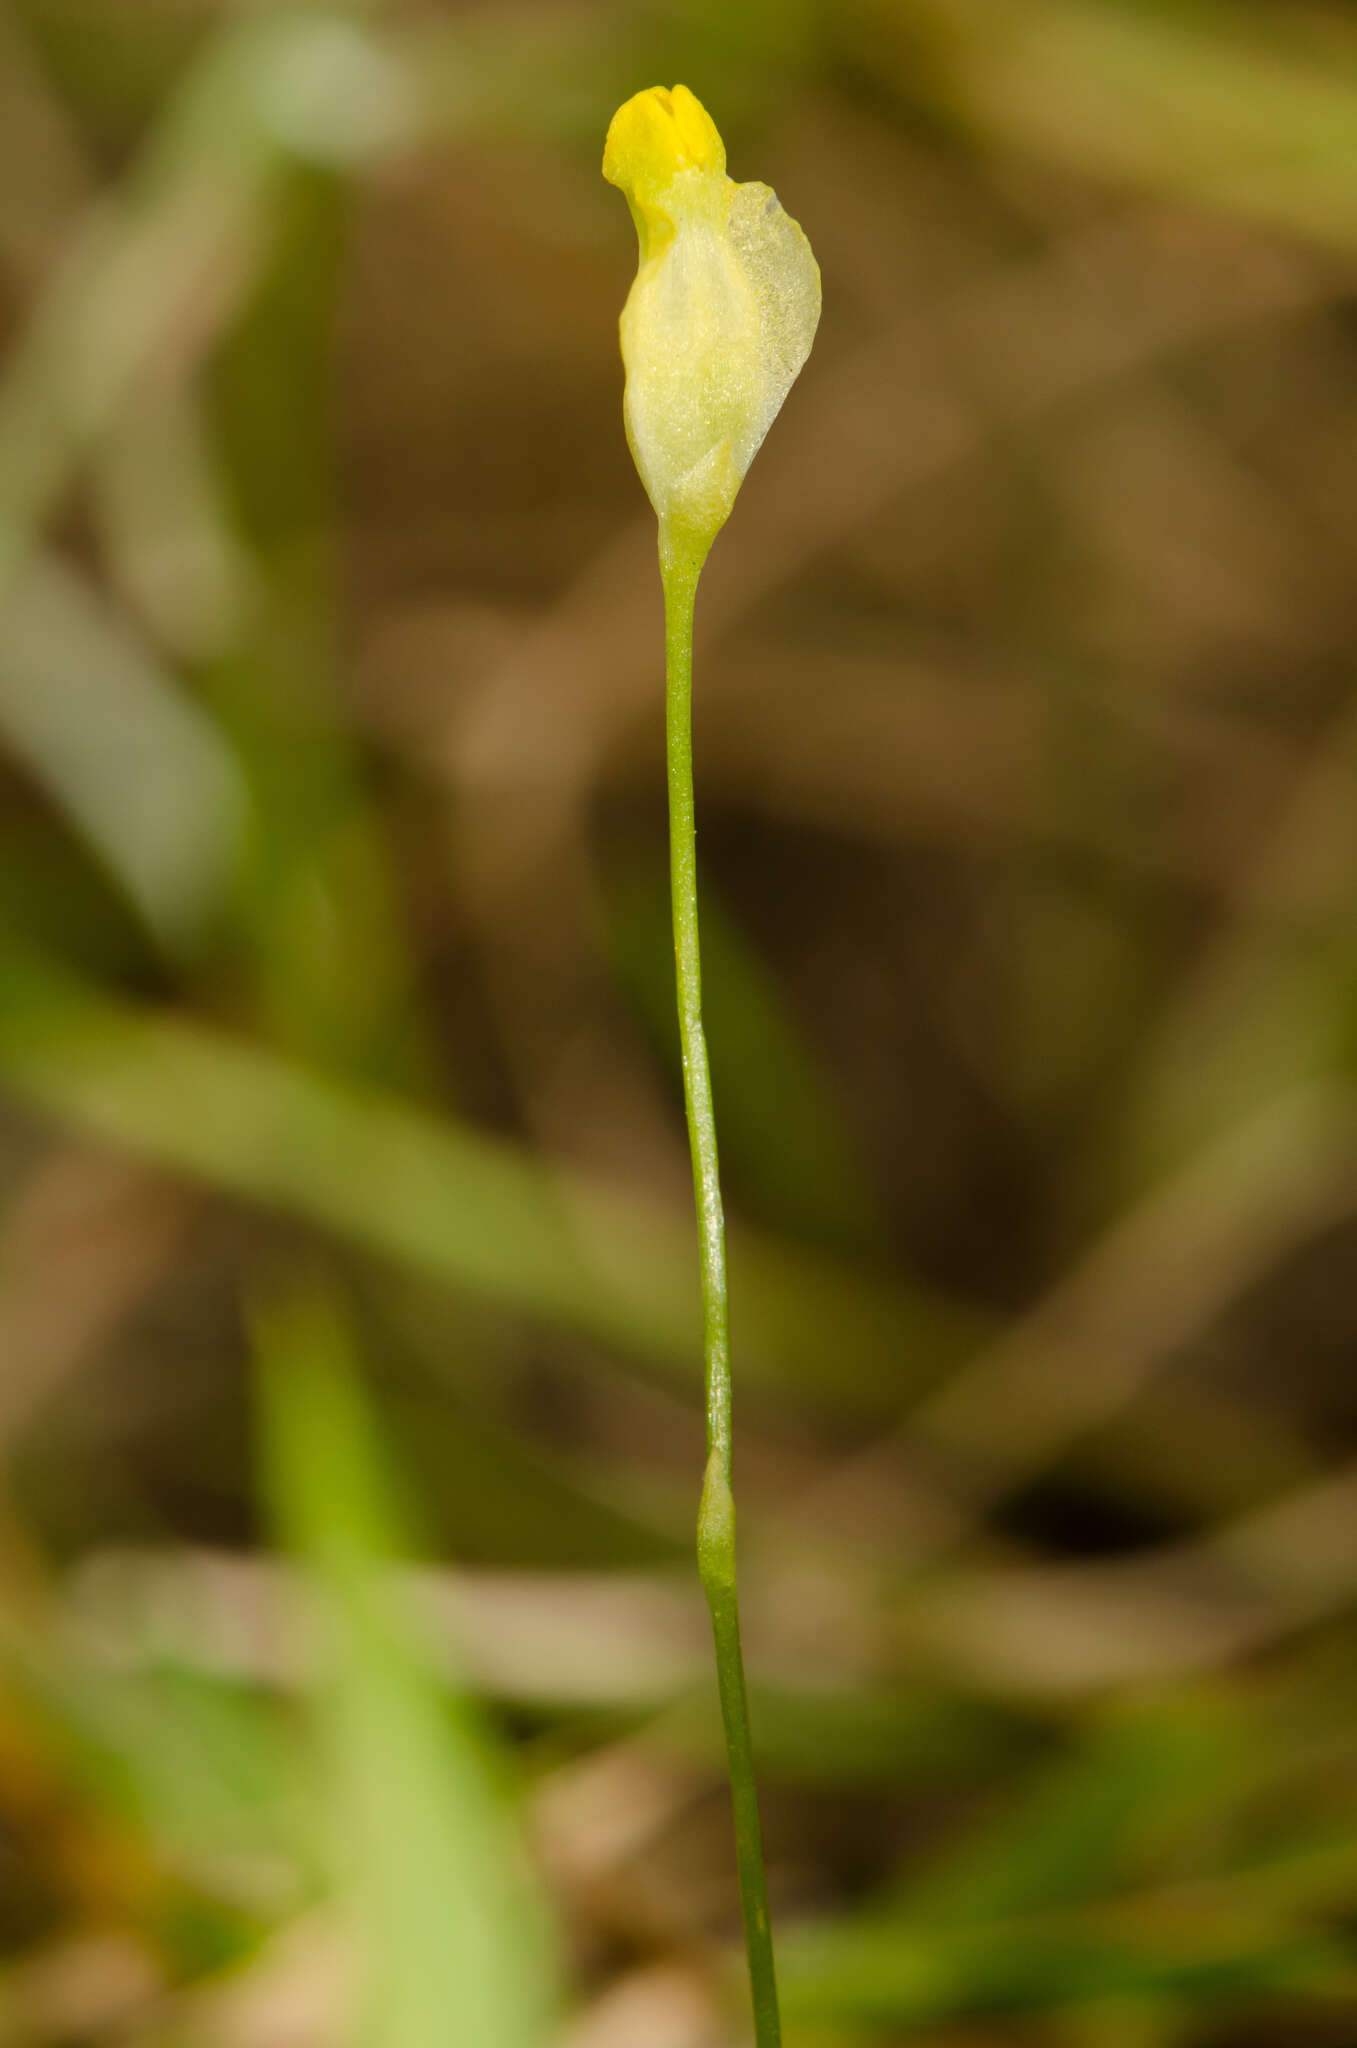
(680, 567)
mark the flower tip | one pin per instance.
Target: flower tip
(657, 134)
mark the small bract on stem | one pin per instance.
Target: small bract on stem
(716, 326)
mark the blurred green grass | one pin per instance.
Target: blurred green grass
(334, 976)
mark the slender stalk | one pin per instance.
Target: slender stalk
(680, 567)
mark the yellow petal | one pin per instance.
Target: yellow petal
(657, 134)
(720, 318)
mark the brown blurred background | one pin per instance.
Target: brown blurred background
(336, 1037)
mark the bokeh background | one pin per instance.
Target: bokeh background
(345, 1240)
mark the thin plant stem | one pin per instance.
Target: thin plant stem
(680, 568)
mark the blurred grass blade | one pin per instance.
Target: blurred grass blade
(165, 526)
(427, 1863)
(1084, 1826)
(458, 1205)
(165, 264)
(136, 766)
(888, 1974)
(1199, 108)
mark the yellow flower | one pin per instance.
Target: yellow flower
(719, 320)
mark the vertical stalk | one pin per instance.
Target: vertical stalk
(680, 567)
